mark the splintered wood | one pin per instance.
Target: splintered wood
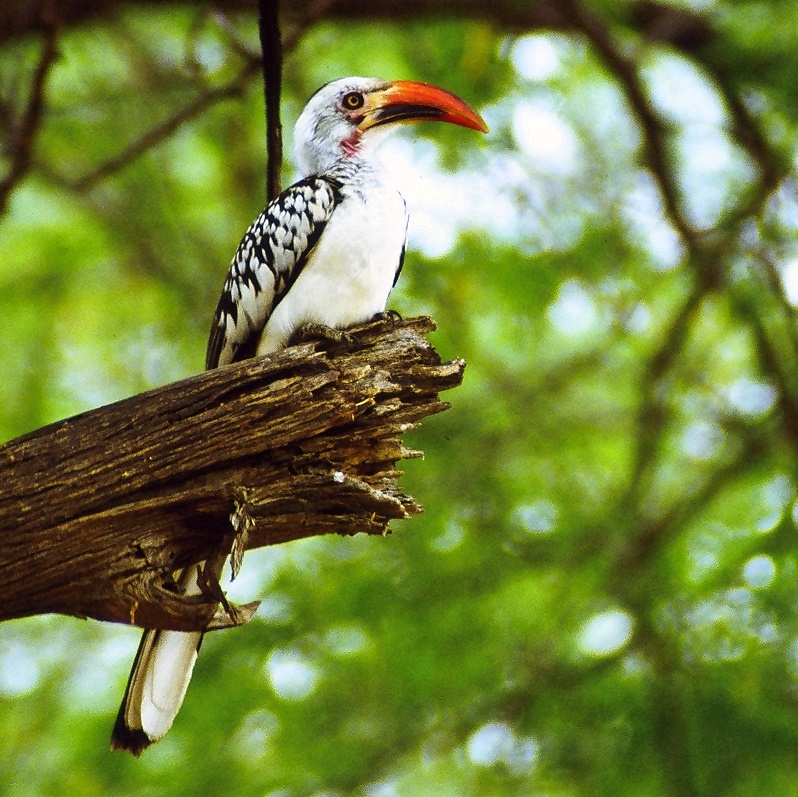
(99, 510)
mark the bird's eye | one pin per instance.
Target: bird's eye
(352, 101)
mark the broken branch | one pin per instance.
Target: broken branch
(98, 511)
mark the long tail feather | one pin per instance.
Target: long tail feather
(160, 676)
(158, 681)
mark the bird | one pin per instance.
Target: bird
(324, 254)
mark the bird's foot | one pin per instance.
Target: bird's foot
(228, 615)
(387, 315)
(209, 586)
(237, 615)
(315, 331)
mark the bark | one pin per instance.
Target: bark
(97, 511)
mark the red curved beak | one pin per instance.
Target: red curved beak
(409, 101)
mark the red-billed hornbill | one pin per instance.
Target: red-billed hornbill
(326, 252)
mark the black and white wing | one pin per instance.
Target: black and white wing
(268, 260)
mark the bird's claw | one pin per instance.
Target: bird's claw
(237, 615)
(315, 331)
(387, 315)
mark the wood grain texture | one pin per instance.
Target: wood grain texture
(98, 510)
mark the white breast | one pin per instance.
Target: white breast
(351, 271)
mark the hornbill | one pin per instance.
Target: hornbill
(325, 253)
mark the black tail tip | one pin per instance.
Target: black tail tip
(133, 741)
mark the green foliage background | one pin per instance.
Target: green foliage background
(601, 597)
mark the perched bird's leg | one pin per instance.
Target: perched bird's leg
(229, 614)
(208, 573)
(321, 331)
(242, 522)
(210, 570)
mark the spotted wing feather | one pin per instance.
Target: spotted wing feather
(269, 258)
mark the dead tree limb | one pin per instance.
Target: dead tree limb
(97, 511)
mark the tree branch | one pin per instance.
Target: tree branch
(652, 128)
(209, 97)
(774, 362)
(163, 130)
(20, 140)
(651, 418)
(271, 48)
(99, 510)
(747, 130)
(22, 18)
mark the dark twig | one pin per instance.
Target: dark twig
(163, 130)
(772, 361)
(653, 129)
(684, 28)
(18, 17)
(199, 104)
(236, 41)
(651, 416)
(776, 286)
(747, 131)
(21, 139)
(649, 542)
(271, 47)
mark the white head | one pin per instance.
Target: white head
(343, 119)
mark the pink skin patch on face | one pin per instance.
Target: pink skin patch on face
(351, 145)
